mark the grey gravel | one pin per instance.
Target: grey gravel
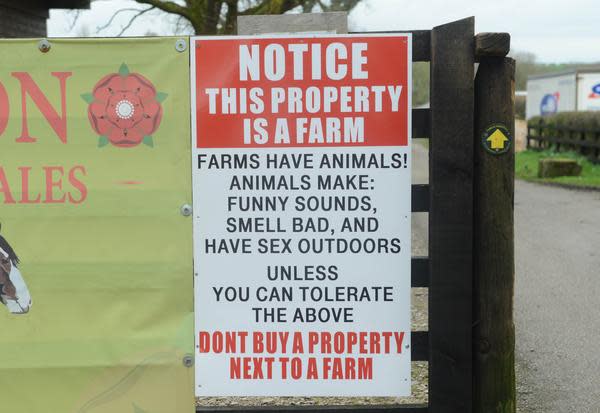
(557, 299)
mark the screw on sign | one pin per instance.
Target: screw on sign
(496, 139)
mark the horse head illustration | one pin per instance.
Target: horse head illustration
(13, 290)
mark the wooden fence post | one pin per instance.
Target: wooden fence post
(493, 270)
(451, 217)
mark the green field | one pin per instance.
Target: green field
(526, 167)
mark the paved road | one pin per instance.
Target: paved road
(557, 294)
(557, 299)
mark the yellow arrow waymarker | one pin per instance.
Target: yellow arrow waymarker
(497, 140)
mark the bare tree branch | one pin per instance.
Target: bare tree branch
(342, 5)
(76, 15)
(170, 7)
(220, 16)
(128, 25)
(112, 18)
(272, 7)
(182, 25)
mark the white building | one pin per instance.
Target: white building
(573, 90)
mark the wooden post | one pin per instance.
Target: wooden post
(493, 270)
(451, 217)
(331, 22)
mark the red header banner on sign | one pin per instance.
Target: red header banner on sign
(301, 92)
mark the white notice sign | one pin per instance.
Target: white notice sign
(302, 211)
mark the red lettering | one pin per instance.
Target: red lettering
(234, 367)
(284, 362)
(25, 187)
(242, 335)
(312, 372)
(313, 339)
(29, 87)
(399, 339)
(5, 188)
(77, 184)
(257, 342)
(338, 343)
(4, 109)
(386, 339)
(298, 346)
(363, 342)
(352, 340)
(296, 370)
(247, 367)
(375, 348)
(217, 342)
(365, 368)
(258, 374)
(204, 342)
(251, 368)
(51, 184)
(271, 342)
(349, 369)
(337, 369)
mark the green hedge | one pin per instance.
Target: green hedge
(583, 126)
(588, 121)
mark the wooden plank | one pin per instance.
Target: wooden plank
(420, 198)
(493, 255)
(492, 44)
(333, 22)
(451, 217)
(421, 43)
(392, 408)
(421, 123)
(419, 272)
(419, 341)
(565, 141)
(562, 128)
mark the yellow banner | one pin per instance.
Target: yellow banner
(95, 254)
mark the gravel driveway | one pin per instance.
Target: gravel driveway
(557, 299)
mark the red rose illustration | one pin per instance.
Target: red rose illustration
(124, 109)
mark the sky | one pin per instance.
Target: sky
(554, 30)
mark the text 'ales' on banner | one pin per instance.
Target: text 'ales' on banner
(302, 205)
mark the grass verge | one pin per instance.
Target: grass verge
(526, 167)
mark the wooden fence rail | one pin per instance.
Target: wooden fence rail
(561, 138)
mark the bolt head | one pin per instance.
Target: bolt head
(44, 46)
(181, 45)
(186, 210)
(188, 360)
